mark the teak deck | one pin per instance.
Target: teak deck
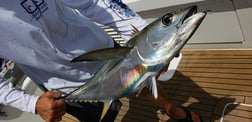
(207, 82)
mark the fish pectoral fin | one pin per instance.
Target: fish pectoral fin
(106, 105)
(152, 86)
(103, 54)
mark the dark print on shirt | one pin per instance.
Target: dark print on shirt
(119, 7)
(35, 7)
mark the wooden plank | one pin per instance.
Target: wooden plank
(248, 100)
(216, 61)
(219, 75)
(140, 117)
(197, 95)
(216, 86)
(231, 118)
(245, 66)
(223, 92)
(215, 70)
(212, 80)
(209, 102)
(69, 118)
(218, 52)
(240, 107)
(240, 113)
(229, 57)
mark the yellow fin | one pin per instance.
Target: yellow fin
(106, 106)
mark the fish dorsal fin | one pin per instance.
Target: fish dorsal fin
(103, 54)
(134, 34)
(135, 31)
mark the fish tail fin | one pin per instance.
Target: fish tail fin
(106, 105)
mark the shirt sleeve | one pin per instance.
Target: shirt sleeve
(17, 98)
(113, 13)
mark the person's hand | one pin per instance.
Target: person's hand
(49, 109)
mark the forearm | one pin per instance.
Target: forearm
(15, 97)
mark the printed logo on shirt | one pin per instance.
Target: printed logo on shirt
(119, 7)
(35, 7)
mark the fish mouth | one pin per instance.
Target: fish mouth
(190, 12)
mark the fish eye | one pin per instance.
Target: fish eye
(167, 19)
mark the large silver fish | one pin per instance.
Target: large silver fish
(130, 68)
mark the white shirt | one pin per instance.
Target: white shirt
(43, 36)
